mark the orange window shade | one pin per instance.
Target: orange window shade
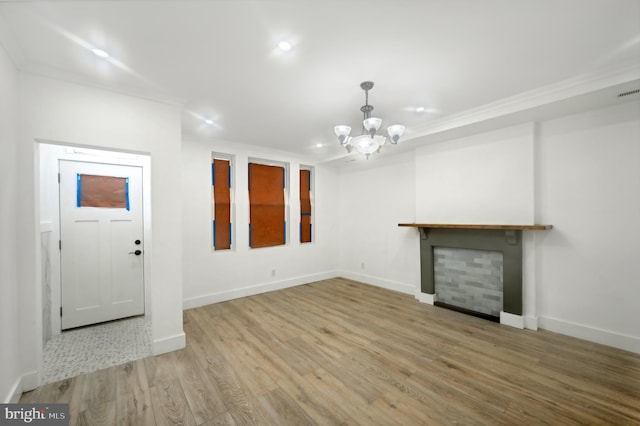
(102, 191)
(305, 206)
(266, 205)
(222, 204)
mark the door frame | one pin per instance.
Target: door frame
(50, 153)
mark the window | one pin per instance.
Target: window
(221, 168)
(103, 191)
(305, 205)
(267, 208)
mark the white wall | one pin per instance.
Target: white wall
(481, 179)
(373, 201)
(210, 276)
(588, 182)
(10, 366)
(51, 110)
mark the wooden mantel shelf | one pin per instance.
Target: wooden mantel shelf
(459, 226)
(510, 231)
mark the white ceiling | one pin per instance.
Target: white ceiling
(464, 60)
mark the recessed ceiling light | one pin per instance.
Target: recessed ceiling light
(420, 109)
(208, 121)
(100, 53)
(318, 145)
(285, 46)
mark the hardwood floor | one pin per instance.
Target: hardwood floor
(341, 352)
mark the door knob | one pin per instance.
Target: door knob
(137, 252)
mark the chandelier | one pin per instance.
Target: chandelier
(369, 141)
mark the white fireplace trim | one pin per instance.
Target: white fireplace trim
(426, 298)
(512, 320)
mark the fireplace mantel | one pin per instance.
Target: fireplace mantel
(459, 226)
(509, 229)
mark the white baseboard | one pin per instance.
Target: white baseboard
(379, 282)
(597, 335)
(14, 393)
(29, 381)
(426, 298)
(531, 323)
(223, 296)
(512, 320)
(26, 382)
(169, 344)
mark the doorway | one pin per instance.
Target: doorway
(92, 340)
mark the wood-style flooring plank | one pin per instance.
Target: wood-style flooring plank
(133, 398)
(315, 404)
(224, 419)
(237, 396)
(281, 408)
(344, 398)
(167, 396)
(203, 396)
(98, 398)
(170, 405)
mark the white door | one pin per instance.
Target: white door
(102, 248)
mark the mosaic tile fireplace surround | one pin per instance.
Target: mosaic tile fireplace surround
(469, 279)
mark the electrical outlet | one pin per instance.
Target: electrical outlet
(273, 272)
(362, 265)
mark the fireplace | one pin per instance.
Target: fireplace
(475, 269)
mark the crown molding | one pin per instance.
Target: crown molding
(545, 95)
(10, 44)
(71, 78)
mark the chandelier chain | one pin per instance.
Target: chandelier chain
(367, 114)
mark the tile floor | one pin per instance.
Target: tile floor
(93, 348)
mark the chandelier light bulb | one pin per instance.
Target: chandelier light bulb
(372, 124)
(367, 145)
(395, 132)
(342, 132)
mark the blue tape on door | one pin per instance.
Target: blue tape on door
(126, 192)
(79, 191)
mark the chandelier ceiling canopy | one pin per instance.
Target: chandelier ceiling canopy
(369, 141)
